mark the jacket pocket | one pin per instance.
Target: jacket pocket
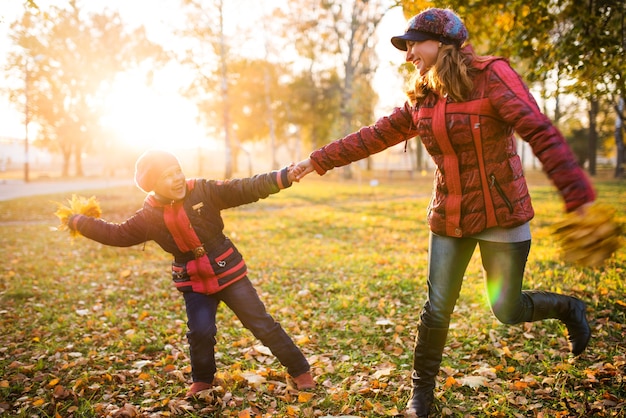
(494, 183)
(228, 265)
(214, 271)
(181, 278)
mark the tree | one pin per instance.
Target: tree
(238, 91)
(336, 38)
(70, 58)
(352, 26)
(259, 102)
(209, 57)
(312, 106)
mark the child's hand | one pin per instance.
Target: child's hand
(77, 205)
(293, 172)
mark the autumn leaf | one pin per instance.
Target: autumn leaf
(473, 381)
(255, 380)
(77, 205)
(304, 397)
(519, 385)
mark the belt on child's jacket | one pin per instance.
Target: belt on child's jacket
(200, 251)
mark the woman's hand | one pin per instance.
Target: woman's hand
(303, 168)
(583, 209)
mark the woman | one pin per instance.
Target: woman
(465, 109)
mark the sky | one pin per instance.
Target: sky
(165, 113)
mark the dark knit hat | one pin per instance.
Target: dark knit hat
(441, 25)
(149, 167)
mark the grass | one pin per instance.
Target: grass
(89, 330)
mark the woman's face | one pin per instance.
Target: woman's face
(422, 54)
(171, 185)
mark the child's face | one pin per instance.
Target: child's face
(171, 185)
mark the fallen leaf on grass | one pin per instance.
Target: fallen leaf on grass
(450, 381)
(519, 385)
(293, 411)
(304, 397)
(60, 392)
(383, 372)
(253, 379)
(473, 381)
(127, 411)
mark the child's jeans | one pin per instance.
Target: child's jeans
(241, 297)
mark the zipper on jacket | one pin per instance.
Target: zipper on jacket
(495, 184)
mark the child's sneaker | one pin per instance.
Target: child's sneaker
(197, 387)
(304, 381)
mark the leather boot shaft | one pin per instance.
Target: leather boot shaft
(570, 310)
(427, 356)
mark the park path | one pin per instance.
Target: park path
(13, 189)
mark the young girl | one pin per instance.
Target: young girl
(465, 109)
(183, 217)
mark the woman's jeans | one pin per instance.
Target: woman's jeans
(242, 298)
(503, 264)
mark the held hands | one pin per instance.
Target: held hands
(292, 172)
(298, 171)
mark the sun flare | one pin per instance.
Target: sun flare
(151, 116)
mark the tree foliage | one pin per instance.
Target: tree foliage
(209, 56)
(309, 78)
(68, 58)
(336, 40)
(302, 73)
(577, 48)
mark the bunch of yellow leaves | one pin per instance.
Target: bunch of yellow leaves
(77, 205)
(589, 239)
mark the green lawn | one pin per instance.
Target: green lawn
(89, 330)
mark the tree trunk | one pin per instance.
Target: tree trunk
(347, 113)
(65, 167)
(78, 163)
(270, 119)
(619, 139)
(593, 135)
(228, 157)
(419, 154)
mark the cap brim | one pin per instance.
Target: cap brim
(412, 35)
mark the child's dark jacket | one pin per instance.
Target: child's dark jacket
(192, 230)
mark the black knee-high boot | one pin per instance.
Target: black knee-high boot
(429, 346)
(570, 310)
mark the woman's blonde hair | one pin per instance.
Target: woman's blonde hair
(451, 76)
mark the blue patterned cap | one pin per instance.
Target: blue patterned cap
(441, 25)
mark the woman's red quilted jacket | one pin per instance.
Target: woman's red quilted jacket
(479, 181)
